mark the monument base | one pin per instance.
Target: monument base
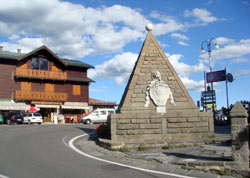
(161, 129)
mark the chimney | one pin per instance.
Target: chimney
(19, 51)
(1, 48)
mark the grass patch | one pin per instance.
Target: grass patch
(141, 148)
(122, 150)
(166, 147)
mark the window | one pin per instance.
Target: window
(43, 64)
(76, 90)
(102, 112)
(37, 114)
(35, 63)
(39, 63)
(110, 112)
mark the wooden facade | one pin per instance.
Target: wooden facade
(40, 76)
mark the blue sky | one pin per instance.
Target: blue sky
(109, 34)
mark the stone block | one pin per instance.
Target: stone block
(127, 126)
(173, 130)
(149, 126)
(176, 120)
(180, 125)
(151, 131)
(155, 120)
(132, 132)
(201, 129)
(140, 121)
(204, 119)
(145, 71)
(201, 124)
(137, 90)
(123, 121)
(194, 119)
(121, 132)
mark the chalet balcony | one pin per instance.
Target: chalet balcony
(40, 74)
(40, 96)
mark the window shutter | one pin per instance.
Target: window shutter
(49, 87)
(76, 90)
(26, 86)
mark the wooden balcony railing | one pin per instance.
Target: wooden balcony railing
(43, 74)
(40, 96)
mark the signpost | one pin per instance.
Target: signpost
(216, 76)
(208, 98)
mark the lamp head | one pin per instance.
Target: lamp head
(216, 46)
(202, 51)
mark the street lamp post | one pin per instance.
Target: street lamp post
(209, 50)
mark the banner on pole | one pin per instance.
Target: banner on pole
(216, 76)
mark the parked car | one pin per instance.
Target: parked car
(13, 117)
(220, 117)
(97, 116)
(32, 117)
(1, 119)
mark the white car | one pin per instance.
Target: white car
(97, 116)
(32, 117)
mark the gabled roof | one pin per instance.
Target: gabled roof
(21, 56)
(39, 49)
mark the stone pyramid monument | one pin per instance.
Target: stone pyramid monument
(152, 59)
(156, 108)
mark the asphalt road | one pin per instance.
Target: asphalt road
(41, 151)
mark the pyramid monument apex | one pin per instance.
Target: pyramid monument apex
(156, 108)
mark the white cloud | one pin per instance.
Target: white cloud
(184, 70)
(118, 68)
(193, 85)
(167, 24)
(94, 90)
(64, 25)
(179, 36)
(240, 60)
(224, 41)
(202, 15)
(183, 43)
(243, 72)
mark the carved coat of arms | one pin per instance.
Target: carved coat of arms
(159, 92)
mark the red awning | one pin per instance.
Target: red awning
(33, 109)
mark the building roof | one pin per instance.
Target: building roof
(20, 56)
(94, 102)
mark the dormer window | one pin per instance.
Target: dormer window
(39, 63)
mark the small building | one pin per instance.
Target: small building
(94, 104)
(57, 86)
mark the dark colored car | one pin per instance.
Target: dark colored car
(13, 117)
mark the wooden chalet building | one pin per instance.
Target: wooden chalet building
(56, 85)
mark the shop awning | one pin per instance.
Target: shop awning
(13, 106)
(75, 105)
(47, 106)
